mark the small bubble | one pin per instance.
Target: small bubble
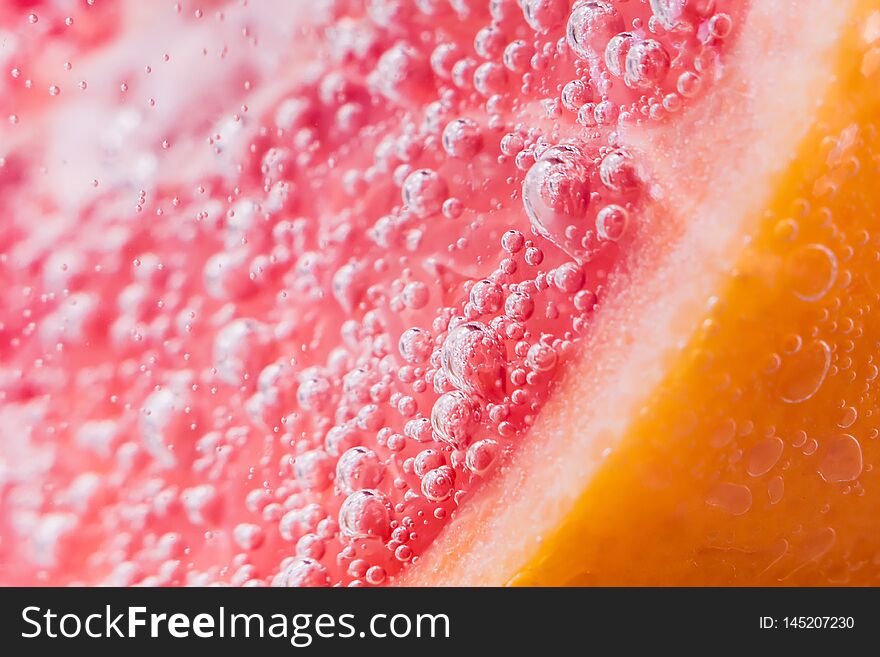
(364, 515)
(544, 15)
(304, 572)
(424, 192)
(812, 271)
(616, 52)
(359, 468)
(647, 63)
(803, 373)
(611, 223)
(840, 459)
(473, 359)
(764, 455)
(734, 499)
(454, 417)
(462, 138)
(541, 357)
(438, 484)
(481, 456)
(591, 24)
(617, 171)
(556, 194)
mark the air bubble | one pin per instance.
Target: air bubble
(454, 418)
(556, 194)
(812, 271)
(359, 468)
(424, 192)
(803, 373)
(473, 359)
(304, 572)
(437, 485)
(647, 63)
(591, 24)
(481, 456)
(544, 15)
(611, 223)
(618, 172)
(364, 515)
(462, 138)
(840, 459)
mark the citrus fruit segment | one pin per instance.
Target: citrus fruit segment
(721, 426)
(441, 292)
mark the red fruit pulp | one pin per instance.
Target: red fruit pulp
(283, 286)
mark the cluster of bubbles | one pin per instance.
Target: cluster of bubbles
(321, 344)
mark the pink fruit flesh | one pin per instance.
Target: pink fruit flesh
(282, 286)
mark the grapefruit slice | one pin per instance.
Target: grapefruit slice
(723, 414)
(528, 292)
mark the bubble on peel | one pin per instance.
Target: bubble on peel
(239, 349)
(605, 113)
(415, 345)
(314, 469)
(473, 359)
(424, 192)
(812, 271)
(359, 468)
(669, 13)
(611, 223)
(454, 417)
(544, 15)
(364, 514)
(840, 458)
(591, 24)
(764, 455)
(462, 138)
(617, 171)
(734, 499)
(305, 572)
(616, 50)
(489, 41)
(647, 63)
(556, 194)
(438, 484)
(802, 374)
(481, 456)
